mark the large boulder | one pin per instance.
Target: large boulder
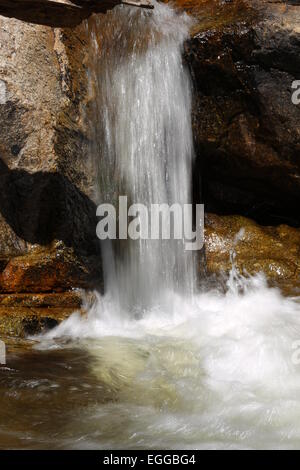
(48, 239)
(244, 57)
(60, 13)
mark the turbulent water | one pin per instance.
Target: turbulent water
(153, 365)
(221, 372)
(145, 145)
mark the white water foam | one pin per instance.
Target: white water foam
(219, 373)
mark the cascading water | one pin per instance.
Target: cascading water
(218, 369)
(143, 116)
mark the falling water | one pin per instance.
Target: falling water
(145, 151)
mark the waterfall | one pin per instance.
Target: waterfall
(167, 368)
(214, 370)
(143, 145)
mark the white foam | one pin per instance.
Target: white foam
(220, 367)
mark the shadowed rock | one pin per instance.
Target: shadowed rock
(244, 56)
(272, 250)
(46, 210)
(60, 13)
(47, 216)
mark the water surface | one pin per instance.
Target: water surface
(221, 372)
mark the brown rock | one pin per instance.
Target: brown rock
(47, 212)
(60, 13)
(71, 299)
(244, 57)
(272, 250)
(20, 321)
(46, 271)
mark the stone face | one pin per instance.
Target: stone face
(47, 271)
(244, 57)
(47, 213)
(72, 299)
(272, 250)
(61, 13)
(23, 321)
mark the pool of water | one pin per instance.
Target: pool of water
(221, 372)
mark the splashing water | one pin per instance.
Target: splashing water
(217, 369)
(220, 372)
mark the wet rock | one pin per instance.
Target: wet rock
(53, 270)
(71, 299)
(60, 13)
(244, 57)
(20, 321)
(272, 250)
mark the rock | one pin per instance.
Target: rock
(62, 13)
(48, 243)
(53, 270)
(71, 299)
(272, 250)
(47, 210)
(23, 321)
(244, 57)
(25, 314)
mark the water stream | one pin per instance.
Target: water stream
(156, 363)
(144, 145)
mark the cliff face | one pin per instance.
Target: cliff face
(272, 250)
(245, 57)
(59, 13)
(47, 216)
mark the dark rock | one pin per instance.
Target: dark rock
(56, 13)
(244, 57)
(272, 250)
(51, 270)
(60, 13)
(47, 212)
(20, 321)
